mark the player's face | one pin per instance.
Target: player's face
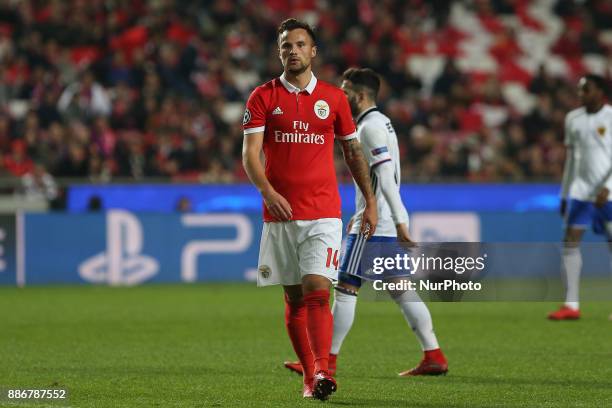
(296, 50)
(352, 96)
(588, 93)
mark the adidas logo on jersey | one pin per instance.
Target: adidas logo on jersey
(277, 111)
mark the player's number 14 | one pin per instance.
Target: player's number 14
(329, 262)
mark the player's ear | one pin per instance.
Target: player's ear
(361, 95)
(313, 51)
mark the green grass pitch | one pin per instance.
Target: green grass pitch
(222, 345)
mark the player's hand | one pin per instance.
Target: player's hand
(349, 227)
(369, 219)
(403, 235)
(278, 206)
(563, 207)
(602, 197)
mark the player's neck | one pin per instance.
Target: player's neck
(364, 108)
(594, 108)
(300, 80)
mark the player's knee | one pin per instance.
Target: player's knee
(572, 237)
(608, 231)
(347, 288)
(401, 294)
(293, 294)
(312, 283)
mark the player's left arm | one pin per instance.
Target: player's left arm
(603, 192)
(344, 128)
(388, 184)
(602, 196)
(355, 160)
(375, 144)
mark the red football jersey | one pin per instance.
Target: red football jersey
(299, 128)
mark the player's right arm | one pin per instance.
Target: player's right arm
(568, 171)
(254, 124)
(278, 206)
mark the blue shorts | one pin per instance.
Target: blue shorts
(581, 214)
(351, 270)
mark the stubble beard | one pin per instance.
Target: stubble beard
(297, 71)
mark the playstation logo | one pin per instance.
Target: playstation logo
(122, 263)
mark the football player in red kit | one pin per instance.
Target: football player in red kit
(295, 119)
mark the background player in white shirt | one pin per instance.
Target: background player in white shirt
(587, 179)
(379, 143)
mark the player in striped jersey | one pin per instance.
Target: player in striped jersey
(379, 143)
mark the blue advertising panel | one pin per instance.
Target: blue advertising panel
(120, 247)
(124, 248)
(8, 250)
(518, 198)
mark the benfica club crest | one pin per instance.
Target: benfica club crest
(265, 271)
(321, 109)
(601, 131)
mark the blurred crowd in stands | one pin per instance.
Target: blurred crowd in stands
(108, 89)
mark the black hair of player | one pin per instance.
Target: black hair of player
(363, 79)
(600, 82)
(293, 24)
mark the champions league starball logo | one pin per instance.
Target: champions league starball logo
(247, 117)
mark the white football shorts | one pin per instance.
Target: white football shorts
(290, 250)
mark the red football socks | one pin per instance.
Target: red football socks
(332, 363)
(319, 325)
(295, 320)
